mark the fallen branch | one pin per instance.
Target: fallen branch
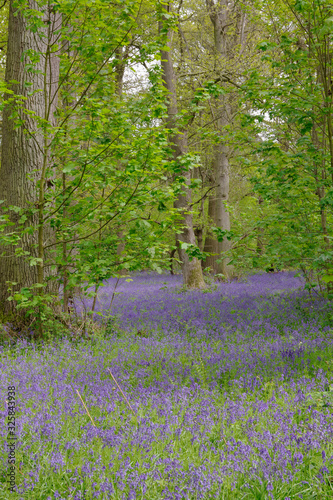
(122, 392)
(85, 408)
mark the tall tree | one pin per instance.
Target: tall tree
(229, 36)
(191, 267)
(32, 70)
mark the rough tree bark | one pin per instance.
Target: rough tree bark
(192, 272)
(25, 149)
(220, 15)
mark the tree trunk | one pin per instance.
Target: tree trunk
(191, 268)
(25, 149)
(260, 233)
(122, 55)
(221, 214)
(210, 241)
(220, 17)
(198, 231)
(120, 251)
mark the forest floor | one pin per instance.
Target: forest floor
(222, 394)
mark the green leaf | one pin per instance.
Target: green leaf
(327, 278)
(68, 168)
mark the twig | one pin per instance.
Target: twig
(204, 196)
(122, 392)
(85, 408)
(114, 293)
(18, 470)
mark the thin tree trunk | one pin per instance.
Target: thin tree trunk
(260, 233)
(64, 270)
(121, 249)
(191, 268)
(172, 255)
(25, 150)
(210, 242)
(122, 55)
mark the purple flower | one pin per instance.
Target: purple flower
(218, 383)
